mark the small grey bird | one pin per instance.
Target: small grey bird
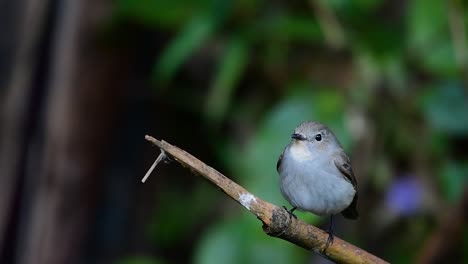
(316, 174)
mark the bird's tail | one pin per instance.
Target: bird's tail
(351, 212)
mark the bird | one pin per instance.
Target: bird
(316, 175)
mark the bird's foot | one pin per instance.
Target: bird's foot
(290, 212)
(329, 240)
(330, 235)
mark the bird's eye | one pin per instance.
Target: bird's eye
(318, 137)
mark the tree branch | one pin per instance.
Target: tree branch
(276, 220)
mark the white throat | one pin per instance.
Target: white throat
(300, 151)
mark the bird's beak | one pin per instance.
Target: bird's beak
(298, 136)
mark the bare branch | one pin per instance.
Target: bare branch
(276, 221)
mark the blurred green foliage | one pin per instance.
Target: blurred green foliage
(190, 38)
(140, 260)
(445, 108)
(429, 37)
(405, 81)
(237, 240)
(166, 226)
(231, 67)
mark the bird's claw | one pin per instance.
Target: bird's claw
(290, 212)
(329, 240)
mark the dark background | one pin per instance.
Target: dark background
(82, 82)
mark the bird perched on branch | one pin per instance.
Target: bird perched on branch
(316, 174)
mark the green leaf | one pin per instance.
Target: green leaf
(182, 46)
(232, 66)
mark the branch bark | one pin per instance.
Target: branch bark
(276, 221)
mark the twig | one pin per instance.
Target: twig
(457, 31)
(160, 157)
(329, 23)
(276, 221)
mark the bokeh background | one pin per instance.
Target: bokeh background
(82, 82)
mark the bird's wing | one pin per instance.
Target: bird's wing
(278, 163)
(343, 164)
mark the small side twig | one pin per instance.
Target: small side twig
(161, 156)
(276, 221)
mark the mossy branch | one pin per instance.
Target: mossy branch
(276, 220)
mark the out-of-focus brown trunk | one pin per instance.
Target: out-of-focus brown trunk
(445, 243)
(82, 102)
(27, 19)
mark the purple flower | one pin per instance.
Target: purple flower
(404, 196)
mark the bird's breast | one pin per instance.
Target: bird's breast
(313, 183)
